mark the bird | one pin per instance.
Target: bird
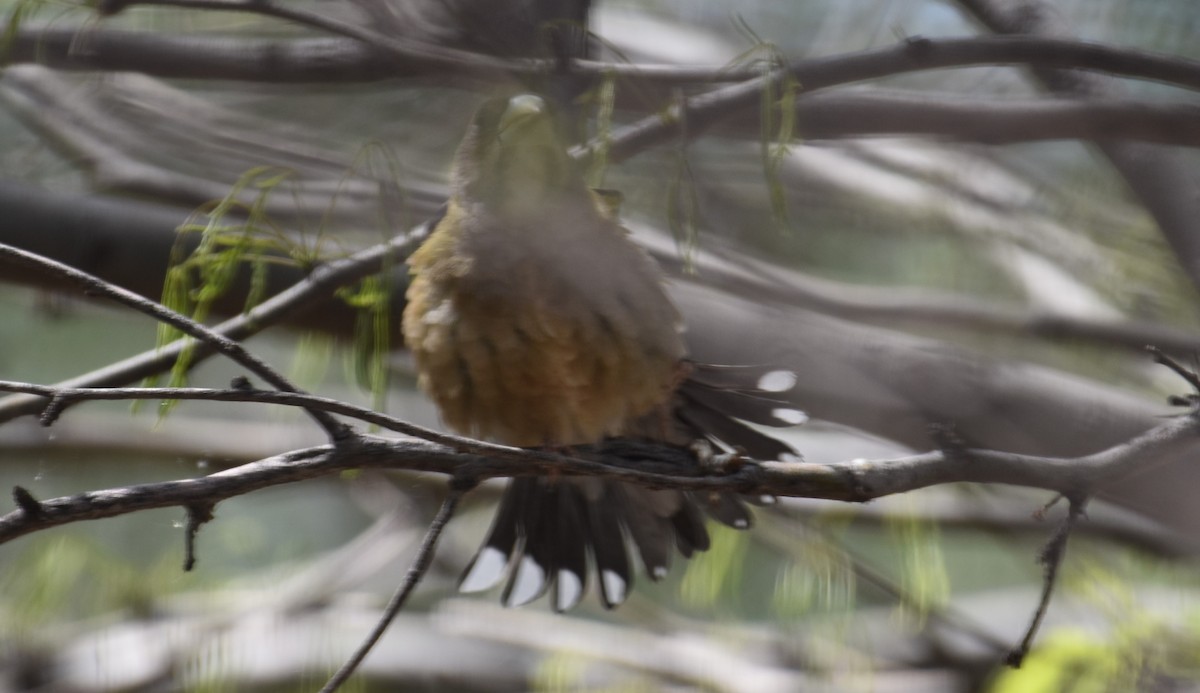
(535, 320)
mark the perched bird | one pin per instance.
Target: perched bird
(535, 321)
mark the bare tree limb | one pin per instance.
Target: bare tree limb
(136, 135)
(640, 463)
(1189, 376)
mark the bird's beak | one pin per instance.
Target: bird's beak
(521, 109)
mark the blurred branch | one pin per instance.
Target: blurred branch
(348, 60)
(413, 53)
(107, 132)
(907, 306)
(136, 135)
(1161, 178)
(213, 441)
(690, 657)
(996, 122)
(1009, 513)
(706, 110)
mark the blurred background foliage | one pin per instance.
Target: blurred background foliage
(906, 594)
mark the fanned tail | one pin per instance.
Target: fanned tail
(548, 533)
(552, 535)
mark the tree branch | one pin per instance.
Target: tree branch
(647, 464)
(706, 110)
(349, 60)
(996, 122)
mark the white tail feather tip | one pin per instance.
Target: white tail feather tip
(527, 583)
(486, 572)
(789, 416)
(777, 381)
(614, 586)
(568, 591)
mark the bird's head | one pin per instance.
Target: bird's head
(511, 158)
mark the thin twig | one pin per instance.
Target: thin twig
(1189, 376)
(62, 397)
(94, 286)
(1051, 558)
(420, 565)
(197, 514)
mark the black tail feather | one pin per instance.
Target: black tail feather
(492, 562)
(653, 537)
(570, 574)
(534, 567)
(608, 547)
